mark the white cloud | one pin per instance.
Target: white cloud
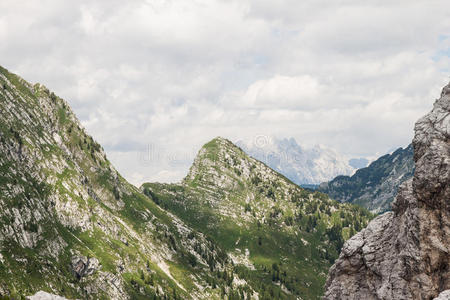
(354, 76)
(283, 91)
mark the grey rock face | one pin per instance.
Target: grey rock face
(405, 254)
(445, 295)
(83, 266)
(45, 296)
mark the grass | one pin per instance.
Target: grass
(115, 209)
(304, 266)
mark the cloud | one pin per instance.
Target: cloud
(283, 92)
(353, 76)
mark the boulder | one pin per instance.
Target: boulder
(83, 266)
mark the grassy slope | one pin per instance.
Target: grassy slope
(287, 230)
(292, 235)
(110, 204)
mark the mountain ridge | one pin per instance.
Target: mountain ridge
(71, 225)
(375, 186)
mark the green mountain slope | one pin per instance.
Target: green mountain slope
(375, 186)
(282, 239)
(71, 225)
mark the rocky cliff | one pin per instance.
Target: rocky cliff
(375, 186)
(405, 254)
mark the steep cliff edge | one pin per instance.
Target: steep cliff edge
(405, 254)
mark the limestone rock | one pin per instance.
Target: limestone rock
(405, 254)
(445, 295)
(83, 266)
(41, 295)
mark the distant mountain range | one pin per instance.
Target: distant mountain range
(375, 186)
(304, 166)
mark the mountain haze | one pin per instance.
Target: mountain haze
(358, 163)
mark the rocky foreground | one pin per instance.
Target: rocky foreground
(405, 254)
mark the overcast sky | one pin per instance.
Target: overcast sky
(154, 80)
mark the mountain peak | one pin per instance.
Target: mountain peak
(218, 144)
(263, 219)
(219, 153)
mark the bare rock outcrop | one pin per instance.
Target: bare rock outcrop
(445, 295)
(405, 254)
(41, 295)
(83, 266)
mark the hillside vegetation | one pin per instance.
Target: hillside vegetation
(281, 237)
(71, 225)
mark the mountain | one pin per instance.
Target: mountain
(375, 186)
(302, 166)
(282, 239)
(405, 254)
(71, 226)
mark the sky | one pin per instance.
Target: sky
(154, 80)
